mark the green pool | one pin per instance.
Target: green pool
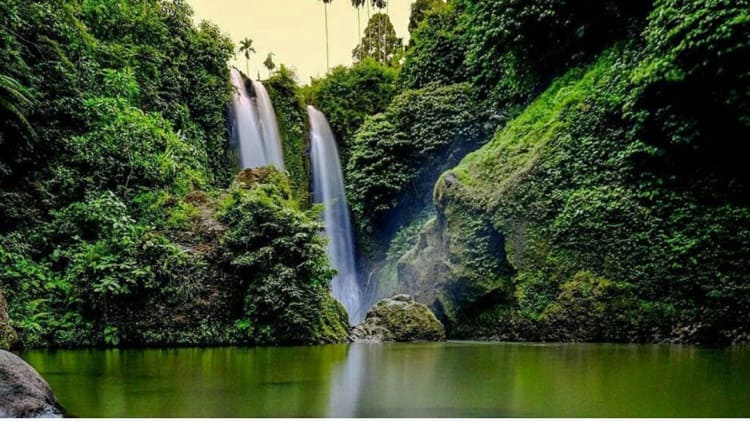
(459, 379)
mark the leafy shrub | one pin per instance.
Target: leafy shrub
(510, 50)
(691, 93)
(348, 95)
(281, 263)
(436, 49)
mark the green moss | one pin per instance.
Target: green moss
(609, 199)
(292, 118)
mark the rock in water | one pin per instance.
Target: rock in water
(8, 336)
(23, 392)
(399, 319)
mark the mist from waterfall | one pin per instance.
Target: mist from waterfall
(328, 189)
(255, 127)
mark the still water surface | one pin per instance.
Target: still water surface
(403, 380)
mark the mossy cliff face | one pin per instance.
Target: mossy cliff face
(463, 248)
(584, 220)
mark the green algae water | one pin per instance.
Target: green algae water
(403, 380)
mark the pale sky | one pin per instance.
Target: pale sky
(294, 30)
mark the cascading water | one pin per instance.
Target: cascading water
(328, 188)
(252, 150)
(269, 127)
(255, 129)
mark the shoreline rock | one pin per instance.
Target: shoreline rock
(399, 319)
(23, 392)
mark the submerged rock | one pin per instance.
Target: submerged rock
(8, 336)
(399, 319)
(23, 392)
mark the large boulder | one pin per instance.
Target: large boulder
(399, 319)
(23, 392)
(8, 336)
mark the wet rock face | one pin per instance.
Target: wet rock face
(8, 336)
(23, 392)
(399, 319)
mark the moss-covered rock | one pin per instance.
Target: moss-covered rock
(8, 336)
(588, 309)
(399, 319)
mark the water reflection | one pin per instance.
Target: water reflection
(437, 380)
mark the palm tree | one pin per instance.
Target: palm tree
(357, 4)
(246, 47)
(14, 99)
(325, 11)
(381, 4)
(270, 65)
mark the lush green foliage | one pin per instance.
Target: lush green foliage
(280, 260)
(614, 213)
(508, 49)
(612, 204)
(107, 236)
(692, 94)
(436, 51)
(398, 154)
(292, 118)
(418, 10)
(85, 64)
(348, 95)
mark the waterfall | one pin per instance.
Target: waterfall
(269, 128)
(255, 128)
(328, 188)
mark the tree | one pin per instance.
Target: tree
(379, 42)
(246, 47)
(270, 65)
(328, 54)
(357, 4)
(418, 9)
(381, 4)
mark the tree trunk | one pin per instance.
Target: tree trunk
(328, 58)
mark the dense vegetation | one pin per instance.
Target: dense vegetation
(541, 170)
(348, 95)
(115, 227)
(612, 207)
(292, 118)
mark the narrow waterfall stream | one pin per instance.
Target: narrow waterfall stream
(255, 129)
(269, 127)
(328, 188)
